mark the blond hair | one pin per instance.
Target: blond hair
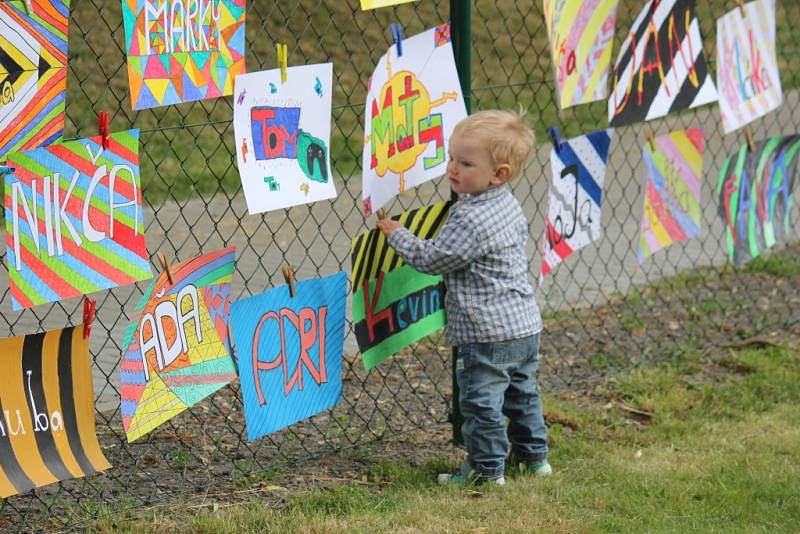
(507, 135)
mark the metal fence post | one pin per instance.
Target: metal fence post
(461, 31)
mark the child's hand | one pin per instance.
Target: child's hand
(387, 226)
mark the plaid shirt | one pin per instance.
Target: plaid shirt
(480, 250)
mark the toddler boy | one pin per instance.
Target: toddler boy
(492, 316)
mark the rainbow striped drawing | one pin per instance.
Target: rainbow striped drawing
(74, 219)
(581, 33)
(178, 54)
(176, 350)
(672, 191)
(33, 73)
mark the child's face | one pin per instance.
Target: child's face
(470, 168)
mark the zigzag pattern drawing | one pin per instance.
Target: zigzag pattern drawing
(169, 62)
(33, 74)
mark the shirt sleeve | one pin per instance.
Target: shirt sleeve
(454, 248)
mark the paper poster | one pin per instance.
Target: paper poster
(74, 219)
(414, 102)
(581, 33)
(176, 351)
(33, 73)
(576, 196)
(660, 68)
(755, 196)
(283, 136)
(747, 67)
(374, 4)
(182, 52)
(672, 191)
(47, 427)
(395, 305)
(290, 351)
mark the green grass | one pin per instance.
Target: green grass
(721, 453)
(188, 148)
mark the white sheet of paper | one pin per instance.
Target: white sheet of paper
(414, 102)
(744, 44)
(283, 133)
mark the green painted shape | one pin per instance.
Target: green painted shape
(310, 147)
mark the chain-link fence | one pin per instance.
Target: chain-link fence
(601, 311)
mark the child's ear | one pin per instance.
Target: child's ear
(501, 174)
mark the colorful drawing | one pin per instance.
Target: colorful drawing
(374, 4)
(182, 52)
(33, 73)
(176, 351)
(672, 190)
(747, 67)
(395, 305)
(47, 427)
(289, 132)
(660, 68)
(581, 33)
(755, 196)
(576, 195)
(290, 352)
(74, 219)
(414, 102)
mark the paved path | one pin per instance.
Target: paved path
(316, 239)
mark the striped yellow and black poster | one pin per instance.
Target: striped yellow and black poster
(371, 253)
(47, 426)
(393, 304)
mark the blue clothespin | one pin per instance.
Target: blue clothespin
(397, 35)
(555, 136)
(5, 169)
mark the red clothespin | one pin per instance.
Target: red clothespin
(288, 276)
(89, 306)
(102, 128)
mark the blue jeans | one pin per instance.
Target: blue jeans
(496, 380)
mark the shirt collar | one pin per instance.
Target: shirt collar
(489, 194)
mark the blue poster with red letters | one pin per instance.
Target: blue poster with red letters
(290, 352)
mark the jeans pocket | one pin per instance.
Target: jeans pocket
(513, 350)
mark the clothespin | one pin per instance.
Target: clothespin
(5, 169)
(29, 7)
(288, 275)
(397, 37)
(741, 8)
(748, 134)
(648, 134)
(381, 213)
(102, 128)
(555, 136)
(89, 306)
(165, 267)
(283, 60)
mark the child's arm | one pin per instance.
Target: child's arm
(454, 248)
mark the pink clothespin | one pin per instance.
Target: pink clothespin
(89, 306)
(102, 128)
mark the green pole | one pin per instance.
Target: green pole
(461, 32)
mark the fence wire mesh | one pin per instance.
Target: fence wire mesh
(601, 313)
